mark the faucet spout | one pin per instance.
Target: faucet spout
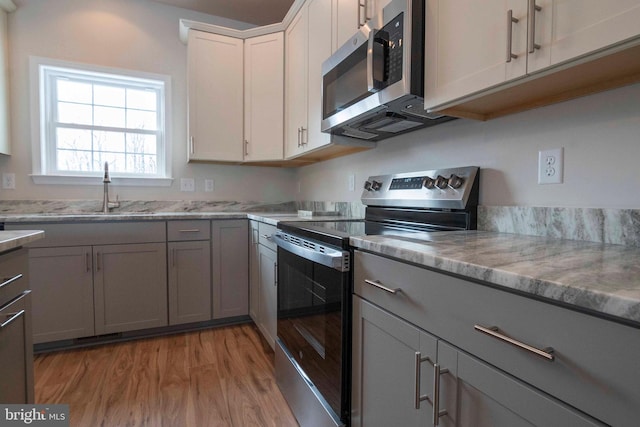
(106, 204)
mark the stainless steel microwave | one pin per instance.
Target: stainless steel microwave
(373, 85)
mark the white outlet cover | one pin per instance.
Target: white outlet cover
(208, 185)
(551, 166)
(352, 182)
(187, 184)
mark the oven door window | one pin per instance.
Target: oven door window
(310, 319)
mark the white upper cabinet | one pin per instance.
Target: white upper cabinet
(319, 50)
(264, 97)
(296, 76)
(215, 83)
(579, 27)
(466, 46)
(480, 48)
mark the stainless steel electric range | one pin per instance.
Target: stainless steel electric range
(313, 348)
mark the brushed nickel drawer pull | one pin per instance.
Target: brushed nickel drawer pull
(379, 285)
(9, 280)
(531, 36)
(266, 236)
(11, 318)
(546, 353)
(510, 21)
(191, 230)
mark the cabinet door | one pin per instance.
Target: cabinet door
(476, 394)
(267, 313)
(62, 299)
(319, 50)
(346, 21)
(189, 282)
(254, 270)
(215, 83)
(230, 268)
(16, 352)
(264, 97)
(130, 287)
(466, 44)
(385, 373)
(296, 83)
(585, 26)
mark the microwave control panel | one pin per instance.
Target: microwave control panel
(395, 30)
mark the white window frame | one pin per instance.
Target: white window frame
(42, 155)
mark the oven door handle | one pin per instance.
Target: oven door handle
(333, 258)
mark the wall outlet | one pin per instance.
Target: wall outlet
(187, 184)
(9, 181)
(551, 166)
(352, 182)
(208, 185)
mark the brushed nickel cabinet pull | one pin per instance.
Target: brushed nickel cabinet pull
(418, 373)
(246, 147)
(437, 412)
(303, 130)
(98, 261)
(266, 236)
(11, 318)
(275, 274)
(546, 353)
(377, 284)
(9, 280)
(531, 39)
(190, 230)
(510, 21)
(87, 262)
(192, 144)
(299, 137)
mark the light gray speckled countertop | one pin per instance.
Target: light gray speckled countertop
(601, 278)
(267, 217)
(14, 239)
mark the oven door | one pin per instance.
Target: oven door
(314, 324)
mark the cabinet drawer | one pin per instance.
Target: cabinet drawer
(593, 358)
(13, 274)
(178, 231)
(266, 230)
(95, 233)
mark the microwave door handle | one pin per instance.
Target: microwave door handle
(377, 49)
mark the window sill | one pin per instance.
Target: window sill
(94, 180)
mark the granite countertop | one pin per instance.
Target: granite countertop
(14, 239)
(600, 278)
(267, 217)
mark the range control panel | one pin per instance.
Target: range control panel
(454, 188)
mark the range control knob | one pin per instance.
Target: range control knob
(367, 186)
(441, 182)
(376, 185)
(429, 183)
(455, 181)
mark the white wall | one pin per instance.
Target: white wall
(133, 34)
(600, 135)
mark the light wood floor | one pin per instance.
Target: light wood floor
(215, 377)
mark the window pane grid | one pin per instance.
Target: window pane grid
(93, 120)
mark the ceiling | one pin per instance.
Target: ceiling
(257, 12)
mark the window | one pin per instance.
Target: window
(89, 116)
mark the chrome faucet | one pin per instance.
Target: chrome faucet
(106, 204)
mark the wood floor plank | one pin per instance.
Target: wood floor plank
(216, 377)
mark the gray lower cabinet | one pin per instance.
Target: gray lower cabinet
(384, 369)
(254, 270)
(268, 304)
(482, 380)
(263, 264)
(62, 285)
(189, 282)
(394, 382)
(16, 348)
(230, 268)
(130, 290)
(97, 278)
